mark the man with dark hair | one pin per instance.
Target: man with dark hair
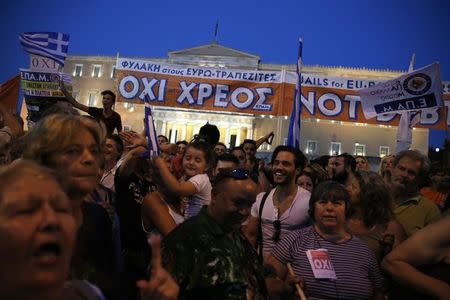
(344, 168)
(412, 210)
(249, 147)
(284, 208)
(107, 115)
(240, 154)
(162, 139)
(208, 255)
(220, 148)
(224, 162)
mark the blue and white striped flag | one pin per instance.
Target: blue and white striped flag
(294, 123)
(52, 45)
(150, 132)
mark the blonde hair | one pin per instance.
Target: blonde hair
(55, 133)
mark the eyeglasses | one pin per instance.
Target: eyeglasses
(238, 174)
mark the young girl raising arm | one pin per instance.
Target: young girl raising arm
(195, 185)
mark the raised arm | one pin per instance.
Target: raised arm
(71, 99)
(173, 185)
(251, 230)
(156, 212)
(263, 139)
(430, 245)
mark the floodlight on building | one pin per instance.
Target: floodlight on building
(437, 149)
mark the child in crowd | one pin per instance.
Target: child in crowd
(195, 183)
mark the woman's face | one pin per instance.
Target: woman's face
(354, 189)
(388, 163)
(111, 150)
(37, 231)
(79, 162)
(330, 214)
(361, 164)
(305, 182)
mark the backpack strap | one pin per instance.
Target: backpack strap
(259, 239)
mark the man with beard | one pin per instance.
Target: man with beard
(412, 210)
(285, 208)
(344, 168)
(208, 255)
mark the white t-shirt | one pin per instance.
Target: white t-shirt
(202, 197)
(295, 217)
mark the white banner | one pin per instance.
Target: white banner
(414, 91)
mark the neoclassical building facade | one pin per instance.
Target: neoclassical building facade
(93, 74)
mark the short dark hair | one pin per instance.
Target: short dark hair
(164, 137)
(181, 142)
(228, 157)
(329, 190)
(248, 141)
(221, 144)
(108, 92)
(299, 158)
(349, 161)
(237, 148)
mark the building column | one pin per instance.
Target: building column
(227, 137)
(249, 133)
(183, 132)
(163, 128)
(238, 136)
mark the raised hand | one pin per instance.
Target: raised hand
(160, 286)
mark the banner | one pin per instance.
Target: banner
(243, 91)
(41, 90)
(416, 90)
(254, 92)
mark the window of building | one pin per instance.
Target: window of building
(92, 98)
(384, 150)
(360, 149)
(78, 70)
(311, 147)
(97, 71)
(113, 72)
(335, 148)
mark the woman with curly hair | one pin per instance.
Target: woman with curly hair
(372, 218)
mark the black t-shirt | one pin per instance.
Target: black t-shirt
(93, 258)
(111, 122)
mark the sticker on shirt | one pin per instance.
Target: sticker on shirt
(321, 264)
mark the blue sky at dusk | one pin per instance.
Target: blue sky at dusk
(372, 34)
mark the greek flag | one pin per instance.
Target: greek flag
(150, 132)
(52, 45)
(294, 123)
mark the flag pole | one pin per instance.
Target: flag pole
(295, 120)
(407, 120)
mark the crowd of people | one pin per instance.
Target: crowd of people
(87, 213)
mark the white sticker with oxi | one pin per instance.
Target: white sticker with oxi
(321, 264)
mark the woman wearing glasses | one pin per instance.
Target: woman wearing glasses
(332, 263)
